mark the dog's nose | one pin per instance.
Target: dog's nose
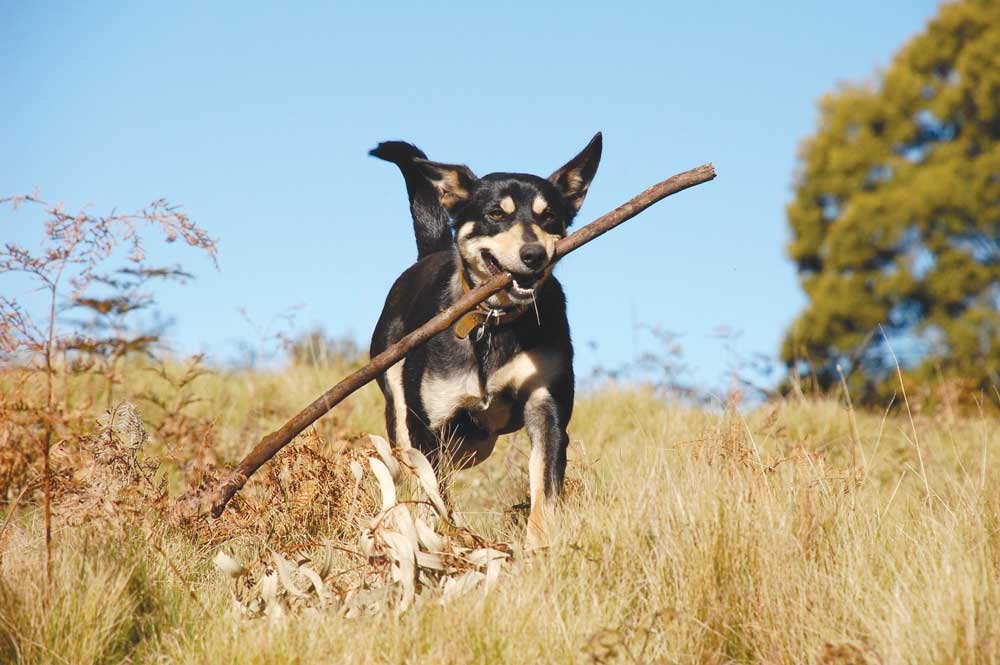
(534, 256)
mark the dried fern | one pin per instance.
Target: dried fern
(408, 550)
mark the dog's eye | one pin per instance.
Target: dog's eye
(496, 215)
(548, 216)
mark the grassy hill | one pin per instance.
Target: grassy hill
(798, 532)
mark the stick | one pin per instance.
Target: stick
(275, 441)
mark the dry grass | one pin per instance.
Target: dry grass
(785, 535)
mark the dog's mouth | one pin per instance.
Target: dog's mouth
(491, 263)
(523, 286)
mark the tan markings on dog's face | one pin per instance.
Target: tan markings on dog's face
(507, 205)
(506, 248)
(464, 231)
(539, 205)
(548, 240)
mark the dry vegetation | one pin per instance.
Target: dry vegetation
(791, 534)
(801, 531)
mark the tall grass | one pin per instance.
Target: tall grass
(687, 536)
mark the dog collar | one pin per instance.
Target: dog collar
(482, 315)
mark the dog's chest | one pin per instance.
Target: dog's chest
(443, 396)
(488, 395)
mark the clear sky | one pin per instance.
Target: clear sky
(257, 119)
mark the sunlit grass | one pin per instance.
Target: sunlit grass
(687, 536)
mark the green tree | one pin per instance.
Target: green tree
(896, 217)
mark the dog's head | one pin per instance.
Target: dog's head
(511, 221)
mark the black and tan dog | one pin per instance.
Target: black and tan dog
(509, 363)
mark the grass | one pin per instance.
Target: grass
(783, 535)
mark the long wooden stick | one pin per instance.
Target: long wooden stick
(275, 441)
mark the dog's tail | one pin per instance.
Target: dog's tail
(430, 219)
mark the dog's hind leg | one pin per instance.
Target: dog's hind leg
(430, 219)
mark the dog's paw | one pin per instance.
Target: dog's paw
(537, 537)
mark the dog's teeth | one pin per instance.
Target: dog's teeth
(521, 291)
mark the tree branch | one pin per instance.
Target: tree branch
(275, 441)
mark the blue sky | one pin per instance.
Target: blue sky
(257, 119)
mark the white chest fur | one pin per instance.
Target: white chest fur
(444, 395)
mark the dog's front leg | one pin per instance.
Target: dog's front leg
(547, 462)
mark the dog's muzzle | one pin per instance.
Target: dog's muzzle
(535, 258)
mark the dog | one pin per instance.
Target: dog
(508, 364)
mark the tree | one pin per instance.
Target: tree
(896, 217)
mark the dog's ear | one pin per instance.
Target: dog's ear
(574, 178)
(453, 182)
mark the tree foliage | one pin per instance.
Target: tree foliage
(896, 217)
